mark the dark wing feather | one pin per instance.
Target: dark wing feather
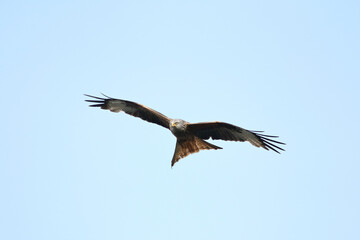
(229, 132)
(131, 108)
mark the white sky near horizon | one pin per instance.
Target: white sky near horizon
(290, 68)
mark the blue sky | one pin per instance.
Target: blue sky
(290, 68)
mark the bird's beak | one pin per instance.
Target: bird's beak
(173, 124)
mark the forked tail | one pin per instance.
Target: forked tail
(193, 144)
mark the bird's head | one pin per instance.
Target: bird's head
(177, 125)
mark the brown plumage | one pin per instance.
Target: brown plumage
(190, 137)
(189, 145)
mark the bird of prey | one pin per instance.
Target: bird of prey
(190, 137)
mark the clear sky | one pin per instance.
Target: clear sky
(291, 68)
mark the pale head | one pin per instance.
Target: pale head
(177, 126)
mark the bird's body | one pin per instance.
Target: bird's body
(187, 142)
(190, 137)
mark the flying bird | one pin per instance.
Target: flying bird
(190, 137)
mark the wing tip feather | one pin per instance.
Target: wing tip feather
(268, 143)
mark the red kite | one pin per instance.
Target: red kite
(190, 136)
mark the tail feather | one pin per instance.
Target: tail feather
(185, 147)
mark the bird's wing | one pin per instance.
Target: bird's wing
(131, 108)
(229, 132)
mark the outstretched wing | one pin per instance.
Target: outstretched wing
(229, 132)
(131, 108)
